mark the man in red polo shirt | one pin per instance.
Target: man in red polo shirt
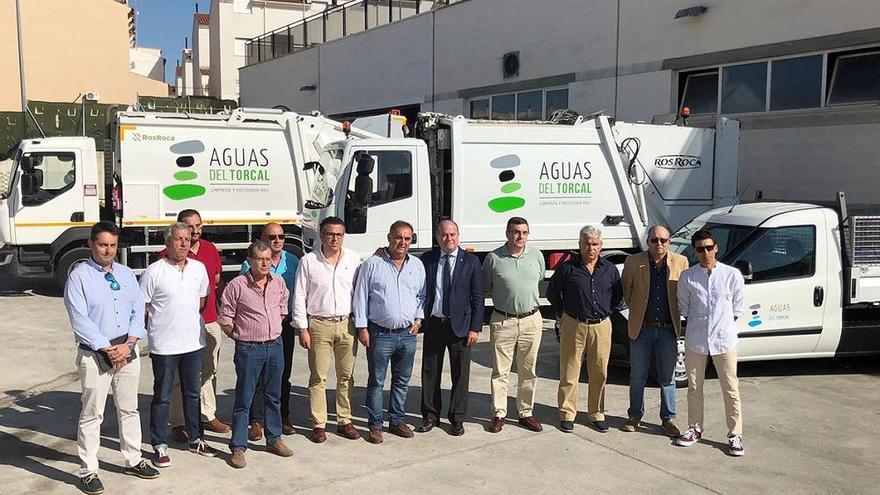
(204, 251)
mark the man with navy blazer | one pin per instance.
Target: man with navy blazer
(454, 312)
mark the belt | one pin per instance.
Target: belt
(657, 323)
(334, 319)
(381, 329)
(257, 342)
(588, 321)
(521, 315)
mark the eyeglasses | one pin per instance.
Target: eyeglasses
(279, 237)
(114, 285)
(704, 249)
(658, 240)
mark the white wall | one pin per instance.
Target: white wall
(147, 62)
(279, 84)
(201, 56)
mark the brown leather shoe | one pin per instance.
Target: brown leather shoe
(216, 426)
(670, 429)
(178, 434)
(238, 460)
(427, 425)
(375, 435)
(255, 431)
(457, 429)
(401, 429)
(632, 424)
(278, 448)
(287, 428)
(318, 435)
(529, 422)
(348, 431)
(496, 424)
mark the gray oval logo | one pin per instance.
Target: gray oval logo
(506, 161)
(188, 147)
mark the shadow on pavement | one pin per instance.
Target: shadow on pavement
(22, 287)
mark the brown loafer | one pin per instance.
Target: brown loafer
(530, 423)
(670, 429)
(632, 424)
(287, 428)
(496, 424)
(237, 460)
(255, 431)
(457, 429)
(216, 426)
(178, 434)
(278, 448)
(348, 431)
(318, 435)
(401, 429)
(375, 435)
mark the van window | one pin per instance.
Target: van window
(782, 253)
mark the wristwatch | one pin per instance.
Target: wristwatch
(132, 346)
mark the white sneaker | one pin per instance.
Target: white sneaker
(690, 437)
(735, 446)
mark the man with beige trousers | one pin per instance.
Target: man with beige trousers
(321, 315)
(650, 290)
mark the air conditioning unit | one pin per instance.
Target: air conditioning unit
(93, 96)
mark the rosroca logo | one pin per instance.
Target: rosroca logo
(678, 161)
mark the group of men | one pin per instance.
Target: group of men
(331, 302)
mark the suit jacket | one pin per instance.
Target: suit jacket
(466, 303)
(636, 281)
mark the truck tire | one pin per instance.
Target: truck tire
(67, 262)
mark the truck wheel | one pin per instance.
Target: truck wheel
(68, 262)
(680, 370)
(296, 249)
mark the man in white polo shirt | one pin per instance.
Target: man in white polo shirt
(174, 291)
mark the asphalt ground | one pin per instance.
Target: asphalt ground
(810, 427)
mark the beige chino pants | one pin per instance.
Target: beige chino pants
(574, 339)
(337, 340)
(210, 361)
(725, 367)
(518, 338)
(95, 386)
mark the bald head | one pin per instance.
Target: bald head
(273, 236)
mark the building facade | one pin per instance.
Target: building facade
(71, 48)
(802, 76)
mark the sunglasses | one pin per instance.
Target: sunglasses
(658, 240)
(704, 249)
(114, 285)
(279, 237)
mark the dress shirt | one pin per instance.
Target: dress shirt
(658, 297)
(97, 313)
(255, 316)
(437, 310)
(711, 303)
(585, 296)
(513, 280)
(387, 296)
(323, 289)
(286, 268)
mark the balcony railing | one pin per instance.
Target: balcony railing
(334, 23)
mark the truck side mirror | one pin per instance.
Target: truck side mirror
(26, 163)
(744, 267)
(316, 166)
(363, 183)
(30, 184)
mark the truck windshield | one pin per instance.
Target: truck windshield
(7, 169)
(728, 237)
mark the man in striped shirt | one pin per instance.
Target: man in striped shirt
(251, 310)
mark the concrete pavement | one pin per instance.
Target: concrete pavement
(810, 427)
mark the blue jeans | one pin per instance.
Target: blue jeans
(252, 360)
(660, 341)
(398, 347)
(189, 366)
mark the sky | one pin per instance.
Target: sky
(164, 24)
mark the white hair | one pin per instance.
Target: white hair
(169, 231)
(588, 231)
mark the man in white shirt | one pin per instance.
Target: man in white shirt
(321, 316)
(174, 289)
(710, 297)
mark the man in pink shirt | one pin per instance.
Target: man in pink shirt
(251, 310)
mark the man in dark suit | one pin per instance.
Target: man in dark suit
(454, 310)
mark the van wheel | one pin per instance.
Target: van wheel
(681, 379)
(68, 262)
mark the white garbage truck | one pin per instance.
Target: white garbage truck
(812, 277)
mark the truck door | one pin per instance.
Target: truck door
(785, 299)
(381, 190)
(51, 199)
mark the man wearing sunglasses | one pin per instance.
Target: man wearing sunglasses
(650, 285)
(105, 305)
(284, 264)
(710, 297)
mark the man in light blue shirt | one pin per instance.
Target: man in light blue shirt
(106, 310)
(389, 299)
(284, 264)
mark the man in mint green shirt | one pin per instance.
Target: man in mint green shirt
(512, 273)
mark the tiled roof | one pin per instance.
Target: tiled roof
(202, 18)
(205, 71)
